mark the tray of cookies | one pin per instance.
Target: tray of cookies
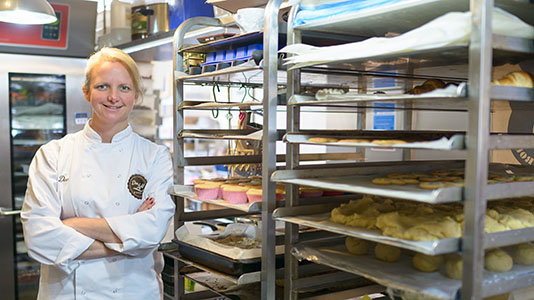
(405, 273)
(381, 185)
(423, 181)
(381, 139)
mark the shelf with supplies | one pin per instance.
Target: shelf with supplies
(244, 141)
(413, 45)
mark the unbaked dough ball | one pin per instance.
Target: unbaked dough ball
(496, 260)
(356, 246)
(454, 266)
(499, 297)
(523, 254)
(387, 253)
(427, 263)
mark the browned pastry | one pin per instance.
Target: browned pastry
(427, 86)
(518, 78)
(420, 89)
(435, 83)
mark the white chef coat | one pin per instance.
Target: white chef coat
(79, 176)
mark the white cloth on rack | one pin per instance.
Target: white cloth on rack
(451, 29)
(79, 176)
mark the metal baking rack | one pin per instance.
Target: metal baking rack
(240, 75)
(308, 216)
(410, 139)
(483, 51)
(401, 277)
(413, 102)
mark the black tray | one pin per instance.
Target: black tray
(221, 263)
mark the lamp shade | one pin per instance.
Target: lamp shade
(27, 12)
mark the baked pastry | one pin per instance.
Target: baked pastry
(387, 253)
(354, 141)
(356, 246)
(254, 195)
(496, 260)
(427, 86)
(310, 192)
(454, 266)
(427, 263)
(322, 140)
(207, 191)
(517, 78)
(434, 83)
(523, 254)
(387, 142)
(235, 194)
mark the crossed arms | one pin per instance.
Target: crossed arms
(99, 230)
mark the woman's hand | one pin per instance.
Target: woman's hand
(147, 204)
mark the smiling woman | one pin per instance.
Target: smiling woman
(101, 196)
(112, 87)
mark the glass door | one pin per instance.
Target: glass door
(37, 115)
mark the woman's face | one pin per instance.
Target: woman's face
(111, 94)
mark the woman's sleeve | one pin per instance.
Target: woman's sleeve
(47, 239)
(141, 232)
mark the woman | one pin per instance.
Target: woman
(84, 217)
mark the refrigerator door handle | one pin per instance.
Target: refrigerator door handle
(6, 212)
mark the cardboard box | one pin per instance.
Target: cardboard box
(511, 117)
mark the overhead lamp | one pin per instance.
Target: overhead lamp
(27, 12)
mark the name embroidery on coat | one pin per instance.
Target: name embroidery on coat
(136, 185)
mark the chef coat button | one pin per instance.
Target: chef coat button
(88, 175)
(86, 202)
(83, 292)
(120, 149)
(119, 176)
(115, 291)
(117, 203)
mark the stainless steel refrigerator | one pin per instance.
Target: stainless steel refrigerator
(40, 99)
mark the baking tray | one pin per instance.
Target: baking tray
(413, 102)
(415, 139)
(220, 263)
(322, 221)
(401, 276)
(358, 180)
(362, 185)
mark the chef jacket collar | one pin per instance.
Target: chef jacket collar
(94, 137)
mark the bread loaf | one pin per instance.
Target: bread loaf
(518, 78)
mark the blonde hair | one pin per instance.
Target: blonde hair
(114, 55)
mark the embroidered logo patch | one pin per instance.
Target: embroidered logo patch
(136, 185)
